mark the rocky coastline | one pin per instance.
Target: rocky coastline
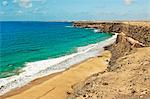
(128, 73)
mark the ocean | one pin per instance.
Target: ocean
(29, 50)
(23, 42)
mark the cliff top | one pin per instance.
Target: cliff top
(139, 23)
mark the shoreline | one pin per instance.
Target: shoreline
(103, 57)
(29, 85)
(83, 54)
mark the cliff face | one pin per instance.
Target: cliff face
(128, 73)
(138, 31)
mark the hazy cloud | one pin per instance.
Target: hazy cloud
(39, 11)
(20, 12)
(23, 3)
(41, 1)
(2, 13)
(14, 1)
(36, 10)
(27, 3)
(128, 2)
(4, 2)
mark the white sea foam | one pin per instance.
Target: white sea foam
(34, 70)
(69, 26)
(96, 30)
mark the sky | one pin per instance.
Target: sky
(50, 10)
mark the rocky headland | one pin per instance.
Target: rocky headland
(128, 73)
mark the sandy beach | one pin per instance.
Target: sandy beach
(58, 85)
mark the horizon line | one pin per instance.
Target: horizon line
(72, 20)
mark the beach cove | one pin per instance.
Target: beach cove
(59, 85)
(36, 69)
(121, 64)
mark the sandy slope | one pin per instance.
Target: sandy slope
(138, 23)
(129, 80)
(59, 86)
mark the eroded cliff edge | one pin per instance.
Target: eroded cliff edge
(128, 73)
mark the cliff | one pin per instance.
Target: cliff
(137, 31)
(128, 73)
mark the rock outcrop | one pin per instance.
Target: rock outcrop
(128, 73)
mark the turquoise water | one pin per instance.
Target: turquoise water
(23, 42)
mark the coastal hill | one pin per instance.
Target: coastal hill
(128, 73)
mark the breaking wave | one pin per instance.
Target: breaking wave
(34, 70)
